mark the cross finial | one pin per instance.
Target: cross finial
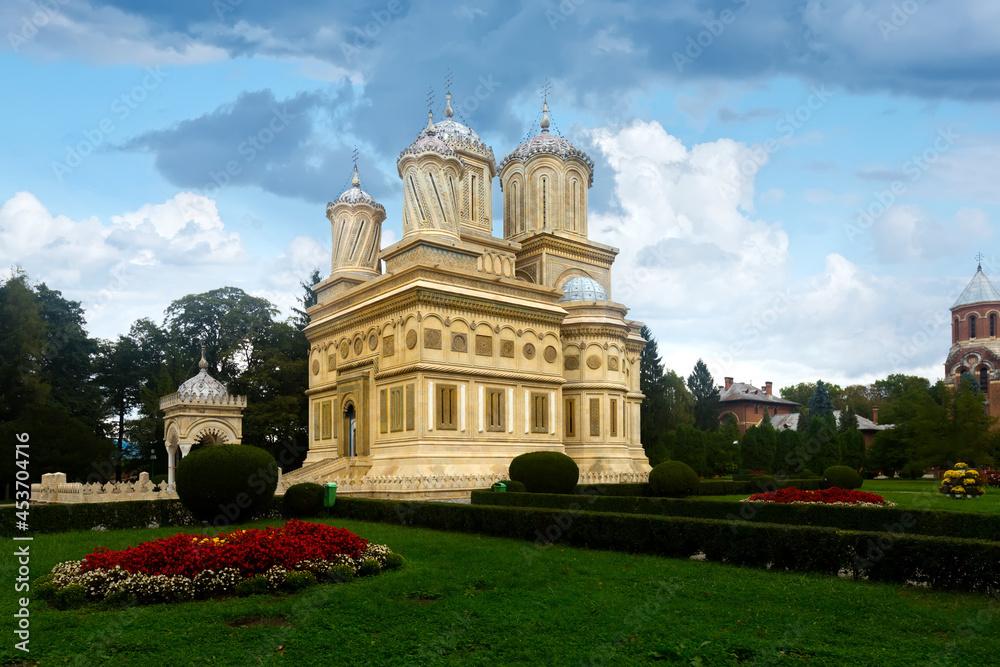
(545, 90)
(979, 259)
(430, 99)
(447, 81)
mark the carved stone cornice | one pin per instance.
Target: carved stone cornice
(451, 369)
(576, 249)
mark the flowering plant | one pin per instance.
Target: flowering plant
(832, 496)
(186, 566)
(991, 477)
(962, 481)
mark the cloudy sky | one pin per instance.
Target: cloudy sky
(799, 188)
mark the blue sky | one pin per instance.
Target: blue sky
(152, 152)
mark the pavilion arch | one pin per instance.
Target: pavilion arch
(523, 275)
(572, 273)
(213, 432)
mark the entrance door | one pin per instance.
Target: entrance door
(351, 426)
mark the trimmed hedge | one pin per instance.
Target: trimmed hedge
(707, 487)
(60, 518)
(842, 477)
(946, 563)
(545, 472)
(673, 478)
(939, 523)
(226, 482)
(304, 500)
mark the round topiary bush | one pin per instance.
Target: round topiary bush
(672, 478)
(545, 472)
(513, 487)
(842, 477)
(303, 500)
(225, 484)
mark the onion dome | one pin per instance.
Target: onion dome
(203, 385)
(582, 288)
(355, 195)
(428, 142)
(547, 143)
(460, 137)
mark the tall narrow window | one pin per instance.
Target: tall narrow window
(993, 325)
(383, 411)
(447, 407)
(595, 417)
(954, 332)
(570, 418)
(539, 413)
(495, 413)
(573, 205)
(396, 409)
(475, 199)
(984, 379)
(544, 202)
(972, 326)
(613, 421)
(316, 421)
(327, 421)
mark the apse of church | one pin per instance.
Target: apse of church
(471, 349)
(975, 338)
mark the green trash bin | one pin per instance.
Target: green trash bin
(330, 496)
(500, 487)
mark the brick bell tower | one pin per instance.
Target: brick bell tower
(975, 339)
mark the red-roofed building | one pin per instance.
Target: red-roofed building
(747, 403)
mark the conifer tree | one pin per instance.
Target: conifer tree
(706, 397)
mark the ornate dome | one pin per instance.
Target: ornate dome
(458, 136)
(549, 144)
(582, 288)
(428, 141)
(355, 195)
(203, 385)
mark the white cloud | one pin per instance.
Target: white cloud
(908, 233)
(713, 282)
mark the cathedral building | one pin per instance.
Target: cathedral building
(975, 339)
(425, 380)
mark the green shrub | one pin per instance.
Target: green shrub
(304, 500)
(340, 573)
(45, 590)
(296, 581)
(393, 561)
(256, 585)
(842, 477)
(513, 486)
(912, 471)
(545, 472)
(672, 478)
(119, 598)
(369, 567)
(225, 484)
(71, 597)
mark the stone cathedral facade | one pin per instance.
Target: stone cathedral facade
(425, 380)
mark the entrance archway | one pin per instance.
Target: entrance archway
(351, 429)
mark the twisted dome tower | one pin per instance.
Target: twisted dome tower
(356, 226)
(432, 173)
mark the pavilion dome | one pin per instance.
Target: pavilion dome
(203, 385)
(458, 136)
(581, 288)
(428, 141)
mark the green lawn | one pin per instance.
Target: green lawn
(913, 494)
(469, 600)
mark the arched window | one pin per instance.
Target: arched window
(954, 332)
(993, 325)
(972, 326)
(984, 379)
(544, 202)
(516, 205)
(574, 204)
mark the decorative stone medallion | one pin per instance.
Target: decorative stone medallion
(571, 363)
(388, 345)
(432, 339)
(529, 351)
(372, 342)
(411, 339)
(593, 362)
(550, 354)
(613, 364)
(331, 362)
(459, 343)
(507, 349)
(315, 366)
(358, 346)
(484, 346)
(344, 348)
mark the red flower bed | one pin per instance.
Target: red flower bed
(826, 496)
(251, 551)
